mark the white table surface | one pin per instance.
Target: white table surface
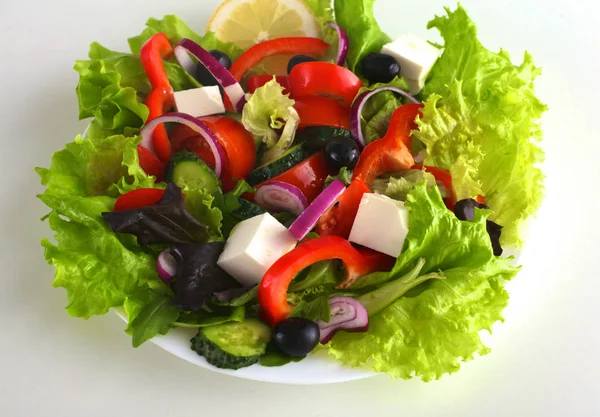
(545, 356)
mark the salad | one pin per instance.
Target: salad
(299, 183)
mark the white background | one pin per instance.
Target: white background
(545, 356)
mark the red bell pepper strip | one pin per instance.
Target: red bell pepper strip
(280, 46)
(257, 81)
(150, 163)
(274, 285)
(160, 100)
(384, 155)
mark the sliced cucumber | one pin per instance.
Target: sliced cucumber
(232, 345)
(248, 210)
(316, 137)
(186, 169)
(289, 160)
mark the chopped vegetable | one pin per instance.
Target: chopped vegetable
(166, 265)
(279, 196)
(296, 337)
(347, 314)
(164, 222)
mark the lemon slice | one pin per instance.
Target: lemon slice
(248, 22)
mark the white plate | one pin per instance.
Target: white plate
(315, 369)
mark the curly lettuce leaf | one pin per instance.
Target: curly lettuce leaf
(175, 30)
(428, 332)
(481, 120)
(364, 34)
(98, 268)
(376, 114)
(398, 185)
(267, 111)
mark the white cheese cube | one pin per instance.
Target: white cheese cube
(381, 224)
(198, 102)
(253, 246)
(415, 56)
(415, 86)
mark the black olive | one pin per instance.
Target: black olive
(299, 59)
(380, 68)
(296, 336)
(465, 209)
(494, 230)
(341, 152)
(204, 77)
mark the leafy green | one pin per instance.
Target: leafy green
(166, 222)
(203, 318)
(380, 298)
(274, 357)
(481, 120)
(175, 30)
(156, 316)
(376, 114)
(267, 111)
(321, 273)
(364, 34)
(430, 330)
(398, 185)
(344, 175)
(321, 9)
(200, 204)
(316, 309)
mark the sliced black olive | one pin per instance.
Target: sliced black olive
(296, 336)
(299, 59)
(380, 68)
(341, 152)
(204, 77)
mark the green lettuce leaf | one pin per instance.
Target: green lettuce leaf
(176, 29)
(428, 332)
(376, 114)
(98, 268)
(481, 120)
(200, 204)
(344, 175)
(364, 34)
(398, 185)
(267, 111)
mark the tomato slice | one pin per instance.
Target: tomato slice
(324, 79)
(338, 219)
(238, 143)
(321, 111)
(258, 81)
(150, 163)
(309, 176)
(142, 197)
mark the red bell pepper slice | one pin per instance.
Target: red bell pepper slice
(324, 79)
(321, 111)
(280, 46)
(150, 163)
(274, 285)
(258, 81)
(384, 155)
(160, 100)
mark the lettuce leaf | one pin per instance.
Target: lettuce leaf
(481, 120)
(435, 326)
(98, 268)
(176, 29)
(378, 110)
(267, 111)
(364, 34)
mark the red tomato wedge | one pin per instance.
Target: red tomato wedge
(258, 81)
(139, 198)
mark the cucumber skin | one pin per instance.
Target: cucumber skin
(294, 156)
(217, 357)
(185, 156)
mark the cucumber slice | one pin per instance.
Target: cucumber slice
(316, 137)
(186, 169)
(232, 345)
(290, 159)
(248, 210)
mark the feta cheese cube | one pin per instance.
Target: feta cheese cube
(253, 246)
(381, 224)
(415, 56)
(415, 86)
(198, 102)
